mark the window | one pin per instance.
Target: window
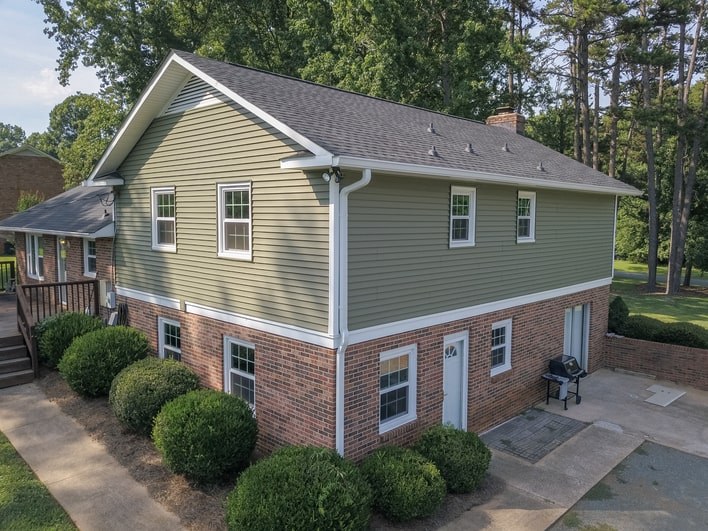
(462, 212)
(89, 257)
(163, 219)
(235, 221)
(397, 387)
(501, 347)
(170, 345)
(35, 256)
(239, 370)
(526, 217)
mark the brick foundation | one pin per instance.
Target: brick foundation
(683, 365)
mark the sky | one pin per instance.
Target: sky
(29, 89)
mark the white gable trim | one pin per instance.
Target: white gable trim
(408, 325)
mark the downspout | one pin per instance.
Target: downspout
(614, 236)
(343, 308)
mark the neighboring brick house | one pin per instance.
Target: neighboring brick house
(26, 169)
(356, 269)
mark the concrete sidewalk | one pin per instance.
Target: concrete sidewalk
(96, 491)
(536, 495)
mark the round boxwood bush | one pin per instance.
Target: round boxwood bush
(300, 488)
(686, 334)
(94, 359)
(205, 434)
(617, 315)
(641, 327)
(142, 388)
(55, 334)
(405, 484)
(461, 456)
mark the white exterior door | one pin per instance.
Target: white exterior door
(455, 381)
(577, 324)
(61, 267)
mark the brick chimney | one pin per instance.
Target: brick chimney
(508, 118)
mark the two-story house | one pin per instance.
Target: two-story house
(356, 269)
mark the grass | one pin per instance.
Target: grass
(25, 503)
(624, 266)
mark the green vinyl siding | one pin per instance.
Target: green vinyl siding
(401, 265)
(287, 279)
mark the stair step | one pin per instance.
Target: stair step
(12, 341)
(15, 365)
(10, 353)
(16, 378)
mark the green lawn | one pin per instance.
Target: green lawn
(631, 267)
(25, 503)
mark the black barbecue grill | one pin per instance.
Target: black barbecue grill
(564, 370)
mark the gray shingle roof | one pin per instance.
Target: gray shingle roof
(355, 125)
(75, 212)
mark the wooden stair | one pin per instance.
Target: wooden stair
(15, 363)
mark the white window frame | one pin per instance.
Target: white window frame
(223, 251)
(228, 341)
(531, 217)
(471, 193)
(32, 246)
(154, 193)
(395, 422)
(506, 324)
(87, 271)
(162, 344)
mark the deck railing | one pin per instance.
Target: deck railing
(7, 275)
(36, 302)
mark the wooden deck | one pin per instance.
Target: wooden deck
(8, 315)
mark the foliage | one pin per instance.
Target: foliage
(140, 390)
(641, 327)
(205, 434)
(94, 359)
(618, 314)
(686, 334)
(300, 488)
(27, 200)
(405, 484)
(11, 136)
(461, 456)
(25, 503)
(55, 334)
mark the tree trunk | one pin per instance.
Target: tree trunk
(577, 135)
(687, 273)
(583, 93)
(614, 117)
(596, 129)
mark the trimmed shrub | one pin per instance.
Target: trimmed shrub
(55, 334)
(686, 334)
(300, 488)
(94, 359)
(618, 315)
(461, 456)
(141, 389)
(205, 434)
(405, 484)
(641, 327)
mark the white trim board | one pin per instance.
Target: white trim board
(143, 296)
(408, 325)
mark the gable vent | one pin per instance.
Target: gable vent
(196, 93)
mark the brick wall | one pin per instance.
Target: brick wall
(294, 380)
(537, 336)
(683, 365)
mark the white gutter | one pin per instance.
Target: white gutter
(342, 264)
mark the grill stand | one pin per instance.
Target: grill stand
(562, 393)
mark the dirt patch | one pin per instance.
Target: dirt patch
(198, 507)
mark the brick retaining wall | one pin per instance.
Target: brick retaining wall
(683, 365)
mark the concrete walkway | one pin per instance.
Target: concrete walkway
(536, 495)
(96, 491)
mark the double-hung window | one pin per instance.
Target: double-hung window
(462, 215)
(89, 258)
(170, 342)
(526, 217)
(235, 221)
(240, 370)
(164, 237)
(35, 256)
(501, 347)
(397, 387)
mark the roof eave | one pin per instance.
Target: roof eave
(107, 231)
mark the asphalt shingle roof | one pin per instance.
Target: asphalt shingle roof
(350, 124)
(76, 211)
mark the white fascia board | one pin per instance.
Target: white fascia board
(280, 126)
(105, 232)
(109, 231)
(436, 172)
(408, 325)
(167, 302)
(113, 181)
